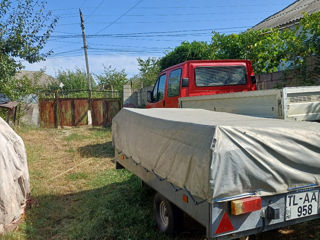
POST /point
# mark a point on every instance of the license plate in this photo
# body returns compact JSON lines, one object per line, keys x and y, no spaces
{"x":302,"y":204}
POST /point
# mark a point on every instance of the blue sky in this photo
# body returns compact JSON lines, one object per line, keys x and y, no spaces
{"x":120,"y":31}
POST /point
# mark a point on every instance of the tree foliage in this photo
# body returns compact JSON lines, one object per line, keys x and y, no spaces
{"x":112,"y":79}
{"x":267,"y":49}
{"x":71,"y":80}
{"x":149,"y":70}
{"x":25,"y":27}
{"x":186,"y":51}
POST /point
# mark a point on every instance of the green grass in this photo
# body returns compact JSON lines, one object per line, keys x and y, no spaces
{"x":74,"y":137}
{"x":77,"y":176}
{"x":117,"y":209}
{"x":76,"y":192}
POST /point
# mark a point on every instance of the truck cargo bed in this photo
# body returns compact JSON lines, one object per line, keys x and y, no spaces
{"x":295,"y":103}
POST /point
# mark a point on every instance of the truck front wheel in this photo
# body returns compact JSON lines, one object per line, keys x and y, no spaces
{"x":169,"y":218}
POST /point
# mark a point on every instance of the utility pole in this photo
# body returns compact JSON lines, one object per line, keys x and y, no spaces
{"x":85,"y":47}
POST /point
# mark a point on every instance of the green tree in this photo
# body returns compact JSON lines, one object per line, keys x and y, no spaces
{"x":112,"y":79}
{"x":265,"y":48}
{"x":186,"y":51}
{"x":25,"y":27}
{"x":149,"y":70}
{"x":71,"y":80}
{"x":268,"y":48}
{"x":309,"y":33}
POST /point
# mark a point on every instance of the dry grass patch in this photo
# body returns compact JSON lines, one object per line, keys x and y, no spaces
{"x":54,"y":155}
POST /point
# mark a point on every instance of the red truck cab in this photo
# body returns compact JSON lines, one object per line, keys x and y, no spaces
{"x":200,"y":77}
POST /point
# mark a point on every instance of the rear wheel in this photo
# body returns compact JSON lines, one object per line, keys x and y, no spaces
{"x":169,"y":218}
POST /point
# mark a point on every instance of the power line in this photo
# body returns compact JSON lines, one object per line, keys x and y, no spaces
{"x":161,"y":22}
{"x":83,"y":3}
{"x":70,"y":51}
{"x":122,"y":46}
{"x":117,"y":19}
{"x":65,"y":16}
{"x":192,"y":14}
{"x":209,"y":7}
{"x":149,"y":34}
{"x":62,"y":9}
{"x":98,"y":6}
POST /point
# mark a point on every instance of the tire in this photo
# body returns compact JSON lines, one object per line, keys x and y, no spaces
{"x":169,"y":218}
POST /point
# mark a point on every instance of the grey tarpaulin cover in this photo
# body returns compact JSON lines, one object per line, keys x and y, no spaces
{"x":14,"y":177}
{"x":216,"y":155}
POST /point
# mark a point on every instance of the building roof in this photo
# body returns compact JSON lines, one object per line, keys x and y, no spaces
{"x":38,"y":77}
{"x":3,"y":98}
{"x":290,"y":15}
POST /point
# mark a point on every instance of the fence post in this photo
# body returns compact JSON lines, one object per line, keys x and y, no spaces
{"x":56,"y":108}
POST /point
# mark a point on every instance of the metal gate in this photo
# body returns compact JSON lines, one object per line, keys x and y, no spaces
{"x":73,"y":111}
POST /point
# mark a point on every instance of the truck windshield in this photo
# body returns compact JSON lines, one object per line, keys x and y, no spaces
{"x":220,"y":76}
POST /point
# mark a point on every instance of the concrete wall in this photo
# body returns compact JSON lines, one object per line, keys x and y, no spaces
{"x":127,"y":92}
{"x":287,"y":78}
{"x":142,"y":95}
{"x":136,"y":98}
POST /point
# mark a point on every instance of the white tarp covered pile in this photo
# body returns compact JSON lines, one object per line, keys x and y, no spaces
{"x":216,"y":155}
{"x":14,"y":177}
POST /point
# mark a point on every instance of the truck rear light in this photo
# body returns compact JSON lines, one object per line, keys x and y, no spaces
{"x":225,"y":225}
{"x":245,"y":205}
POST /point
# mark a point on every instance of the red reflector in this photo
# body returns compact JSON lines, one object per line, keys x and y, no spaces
{"x":185,"y":198}
{"x":225,"y":225}
{"x":252,"y":204}
{"x":245,"y":205}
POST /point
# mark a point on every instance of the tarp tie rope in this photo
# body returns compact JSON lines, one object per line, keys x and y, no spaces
{"x":136,"y":163}
{"x":157,"y":176}
{"x":175,"y":188}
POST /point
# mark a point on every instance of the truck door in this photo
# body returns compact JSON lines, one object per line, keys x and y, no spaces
{"x":158,"y":93}
{"x":173,"y":88}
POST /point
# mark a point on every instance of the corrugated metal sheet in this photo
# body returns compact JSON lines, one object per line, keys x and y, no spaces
{"x":80,"y":112}
{"x":47,"y":115}
{"x":289,"y":15}
{"x":65,"y":110}
{"x":98,"y":110}
{"x":113,"y":107}
{"x":73,"y":112}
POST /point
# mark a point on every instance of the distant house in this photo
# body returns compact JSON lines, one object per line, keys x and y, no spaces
{"x":289,"y":16}
{"x":38,"y":77}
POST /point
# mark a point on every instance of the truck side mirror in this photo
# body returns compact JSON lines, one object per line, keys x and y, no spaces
{"x":149,"y":96}
{"x":185,"y":82}
{"x":253,"y":80}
